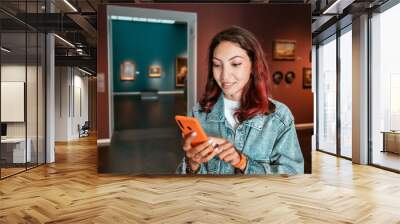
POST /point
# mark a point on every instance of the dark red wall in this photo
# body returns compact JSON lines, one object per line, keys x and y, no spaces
{"x":102,"y":69}
{"x":268,"y":22}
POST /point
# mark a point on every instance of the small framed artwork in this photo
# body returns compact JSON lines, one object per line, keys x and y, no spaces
{"x":284,"y":50}
{"x":127,"y":70}
{"x":307,"y":78}
{"x":154,"y":71}
{"x":181,"y":71}
{"x":277,"y":77}
{"x":289,"y":77}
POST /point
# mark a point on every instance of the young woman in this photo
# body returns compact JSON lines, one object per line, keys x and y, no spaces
{"x":248,"y":132}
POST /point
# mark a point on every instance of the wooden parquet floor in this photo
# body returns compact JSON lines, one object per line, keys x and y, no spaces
{"x":71,"y":191}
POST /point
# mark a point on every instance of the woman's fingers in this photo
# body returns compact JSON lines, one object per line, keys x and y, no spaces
{"x":210,"y":148}
{"x":198,"y":148}
{"x":211,"y":155}
{"x":232,"y":157}
{"x":219,"y":141}
{"x":226,"y":154}
{"x":225,"y":150}
{"x":187,"y":144}
{"x":207,"y":153}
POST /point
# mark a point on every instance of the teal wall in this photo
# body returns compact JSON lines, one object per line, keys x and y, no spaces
{"x":147,"y":44}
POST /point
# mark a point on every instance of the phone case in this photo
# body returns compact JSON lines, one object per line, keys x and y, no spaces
{"x":190,"y":124}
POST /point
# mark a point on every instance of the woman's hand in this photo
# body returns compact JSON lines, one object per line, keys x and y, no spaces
{"x":227,"y":151}
{"x":200,"y":153}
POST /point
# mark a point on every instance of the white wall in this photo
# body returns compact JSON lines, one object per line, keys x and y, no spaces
{"x":71,"y":93}
{"x":80,"y":84}
{"x":62,"y":80}
{"x":33,"y":127}
{"x":13,"y":73}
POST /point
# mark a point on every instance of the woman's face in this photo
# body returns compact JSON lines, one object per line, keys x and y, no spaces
{"x":231,"y":69}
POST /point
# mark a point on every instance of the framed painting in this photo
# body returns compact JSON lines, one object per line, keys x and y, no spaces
{"x":154,"y":71}
{"x":284,"y":50}
{"x":307,"y":78}
{"x":289,"y":77}
{"x":277,"y":77}
{"x":127,"y":70}
{"x":181,"y":71}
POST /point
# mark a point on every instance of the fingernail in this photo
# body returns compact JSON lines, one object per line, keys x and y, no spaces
{"x":210,"y":141}
{"x":194,"y":133}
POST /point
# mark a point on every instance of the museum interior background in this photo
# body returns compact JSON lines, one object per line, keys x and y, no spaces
{"x":144,"y":107}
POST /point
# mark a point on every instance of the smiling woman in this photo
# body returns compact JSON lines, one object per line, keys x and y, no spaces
{"x":248,"y":131}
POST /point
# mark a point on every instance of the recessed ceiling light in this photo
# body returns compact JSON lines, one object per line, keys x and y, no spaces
{"x":84,"y":71}
{"x":5,"y":50}
{"x":337,"y":7}
{"x":65,"y":41}
{"x":70,"y":5}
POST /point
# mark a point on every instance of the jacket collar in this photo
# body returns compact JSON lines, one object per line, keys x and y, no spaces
{"x":256,"y":122}
{"x":217,"y":115}
{"x":217,"y":112}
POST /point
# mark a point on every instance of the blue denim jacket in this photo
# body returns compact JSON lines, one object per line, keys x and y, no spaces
{"x":268,"y":141}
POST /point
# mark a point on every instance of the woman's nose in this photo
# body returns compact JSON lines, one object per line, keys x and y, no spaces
{"x":225,"y":73}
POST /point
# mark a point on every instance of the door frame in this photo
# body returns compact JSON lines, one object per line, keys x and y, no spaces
{"x":186,"y":17}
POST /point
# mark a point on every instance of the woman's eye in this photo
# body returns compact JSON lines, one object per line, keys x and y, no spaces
{"x":216,"y":65}
{"x":236,"y":64}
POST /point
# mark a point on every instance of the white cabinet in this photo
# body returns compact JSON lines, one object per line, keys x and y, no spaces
{"x":18,"y":149}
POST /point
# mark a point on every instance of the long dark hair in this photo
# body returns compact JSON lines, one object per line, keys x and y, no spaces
{"x":256,"y":92}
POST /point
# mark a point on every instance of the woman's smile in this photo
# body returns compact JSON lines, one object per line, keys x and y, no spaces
{"x":227,"y":85}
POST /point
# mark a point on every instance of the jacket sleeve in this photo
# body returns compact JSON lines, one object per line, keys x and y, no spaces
{"x":286,"y":156}
{"x":182,"y":168}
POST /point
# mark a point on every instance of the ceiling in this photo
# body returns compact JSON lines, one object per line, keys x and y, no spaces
{"x":77,"y":22}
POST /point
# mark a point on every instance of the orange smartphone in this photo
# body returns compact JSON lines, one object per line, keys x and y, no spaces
{"x":190,"y":124}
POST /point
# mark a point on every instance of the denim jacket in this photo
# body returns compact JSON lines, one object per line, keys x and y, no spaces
{"x":268,"y":141}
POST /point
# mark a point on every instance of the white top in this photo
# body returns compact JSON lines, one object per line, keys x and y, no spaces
{"x":230,"y":107}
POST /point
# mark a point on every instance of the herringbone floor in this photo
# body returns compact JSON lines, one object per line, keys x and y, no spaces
{"x":71,"y":191}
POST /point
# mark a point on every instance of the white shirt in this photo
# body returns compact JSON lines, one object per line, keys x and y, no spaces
{"x":230,"y":107}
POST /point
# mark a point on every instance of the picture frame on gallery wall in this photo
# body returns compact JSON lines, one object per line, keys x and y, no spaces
{"x":284,"y":50}
{"x":181,"y":71}
{"x":127,"y":70}
{"x":277,"y":77}
{"x":307,"y":78}
{"x":289,"y":77}
{"x":154,"y":71}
